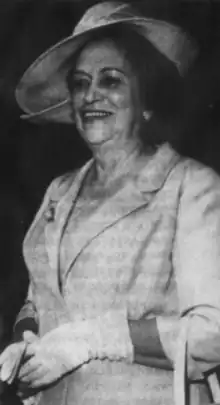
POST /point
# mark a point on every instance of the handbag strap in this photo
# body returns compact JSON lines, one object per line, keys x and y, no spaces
{"x":181,"y":394}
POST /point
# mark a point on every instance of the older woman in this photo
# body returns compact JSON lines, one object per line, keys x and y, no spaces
{"x":121,"y":249}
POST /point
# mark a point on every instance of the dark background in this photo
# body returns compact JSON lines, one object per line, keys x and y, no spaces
{"x":31,"y":155}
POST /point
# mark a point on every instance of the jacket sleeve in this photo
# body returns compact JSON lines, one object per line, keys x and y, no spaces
{"x":196,"y":259}
{"x":27,"y":318}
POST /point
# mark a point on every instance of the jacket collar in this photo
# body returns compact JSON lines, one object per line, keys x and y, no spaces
{"x":154,"y":174}
{"x":151,"y":178}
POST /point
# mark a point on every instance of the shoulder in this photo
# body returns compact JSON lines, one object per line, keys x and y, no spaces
{"x":199,"y":178}
{"x":60,"y":185}
{"x":199,"y":197}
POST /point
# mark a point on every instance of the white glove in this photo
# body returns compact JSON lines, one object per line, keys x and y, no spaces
{"x":12,"y":357}
{"x":10,"y":361}
{"x":70,"y":345}
{"x":51,"y":357}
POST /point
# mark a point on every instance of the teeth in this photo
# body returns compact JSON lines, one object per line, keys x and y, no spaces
{"x":96,"y":114}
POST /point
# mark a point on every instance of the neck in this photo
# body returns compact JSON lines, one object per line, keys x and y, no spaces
{"x":113,"y":162}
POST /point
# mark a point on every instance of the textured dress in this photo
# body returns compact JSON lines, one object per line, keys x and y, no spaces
{"x":152,"y":249}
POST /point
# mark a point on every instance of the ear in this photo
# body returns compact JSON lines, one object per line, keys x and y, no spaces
{"x":147,"y":115}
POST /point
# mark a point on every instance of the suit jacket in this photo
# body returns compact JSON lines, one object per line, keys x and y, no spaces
{"x":157,"y":242}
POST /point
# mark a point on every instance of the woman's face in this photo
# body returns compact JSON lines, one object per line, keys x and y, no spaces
{"x":105,"y":95}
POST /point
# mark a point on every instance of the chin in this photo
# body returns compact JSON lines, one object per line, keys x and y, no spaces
{"x":94,"y":137}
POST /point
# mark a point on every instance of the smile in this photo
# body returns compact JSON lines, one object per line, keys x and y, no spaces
{"x":95,"y":114}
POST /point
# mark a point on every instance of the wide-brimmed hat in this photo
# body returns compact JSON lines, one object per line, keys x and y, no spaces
{"x":42,"y":92}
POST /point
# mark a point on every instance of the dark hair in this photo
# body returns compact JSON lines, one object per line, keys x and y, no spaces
{"x":160,"y":84}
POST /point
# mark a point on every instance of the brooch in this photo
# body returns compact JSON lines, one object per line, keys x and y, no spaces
{"x":50,"y":211}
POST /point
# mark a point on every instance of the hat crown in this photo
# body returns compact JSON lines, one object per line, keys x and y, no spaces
{"x":103,"y":13}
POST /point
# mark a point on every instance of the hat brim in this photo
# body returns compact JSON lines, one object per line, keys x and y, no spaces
{"x":42,"y":92}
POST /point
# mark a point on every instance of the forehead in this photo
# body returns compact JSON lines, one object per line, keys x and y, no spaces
{"x":100,"y":54}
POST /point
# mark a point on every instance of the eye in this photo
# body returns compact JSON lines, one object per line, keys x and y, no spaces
{"x":79,"y":84}
{"x":110,"y":81}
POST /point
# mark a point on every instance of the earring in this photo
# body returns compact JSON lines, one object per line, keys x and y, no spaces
{"x":147,"y":115}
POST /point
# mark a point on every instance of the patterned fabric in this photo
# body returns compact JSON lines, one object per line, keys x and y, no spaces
{"x":154,"y":246}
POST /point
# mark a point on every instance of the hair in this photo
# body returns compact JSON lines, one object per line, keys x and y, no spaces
{"x":160,"y":84}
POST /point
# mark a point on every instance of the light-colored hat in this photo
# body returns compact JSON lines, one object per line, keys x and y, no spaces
{"x":42,"y":91}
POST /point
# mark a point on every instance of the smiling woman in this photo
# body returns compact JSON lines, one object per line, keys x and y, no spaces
{"x":155,"y":83}
{"x":104,"y":97}
{"x":123,"y":248}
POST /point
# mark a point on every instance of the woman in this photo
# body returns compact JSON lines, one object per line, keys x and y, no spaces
{"x":121,"y":249}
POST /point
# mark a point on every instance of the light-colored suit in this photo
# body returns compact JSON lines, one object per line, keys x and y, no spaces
{"x":157,"y":243}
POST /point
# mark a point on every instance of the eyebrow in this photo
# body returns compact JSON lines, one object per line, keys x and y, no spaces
{"x":103,"y":70}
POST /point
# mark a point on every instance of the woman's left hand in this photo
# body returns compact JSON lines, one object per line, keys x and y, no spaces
{"x":52,"y":356}
{"x":44,"y":367}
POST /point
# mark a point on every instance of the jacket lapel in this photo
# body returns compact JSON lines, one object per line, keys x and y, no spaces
{"x":63,"y":206}
{"x":131,"y":197}
{"x":107,"y":215}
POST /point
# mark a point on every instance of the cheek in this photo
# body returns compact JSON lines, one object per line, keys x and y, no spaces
{"x":77,"y":100}
{"x":121,"y":100}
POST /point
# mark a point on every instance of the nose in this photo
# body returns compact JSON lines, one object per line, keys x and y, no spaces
{"x":92,"y":93}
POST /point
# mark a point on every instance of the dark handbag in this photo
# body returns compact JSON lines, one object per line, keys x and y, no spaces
{"x":9,"y":396}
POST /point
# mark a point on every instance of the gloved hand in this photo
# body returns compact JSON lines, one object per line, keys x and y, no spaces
{"x":70,"y":345}
{"x":10,"y":360}
{"x":52,"y":356}
{"x":12,"y":357}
